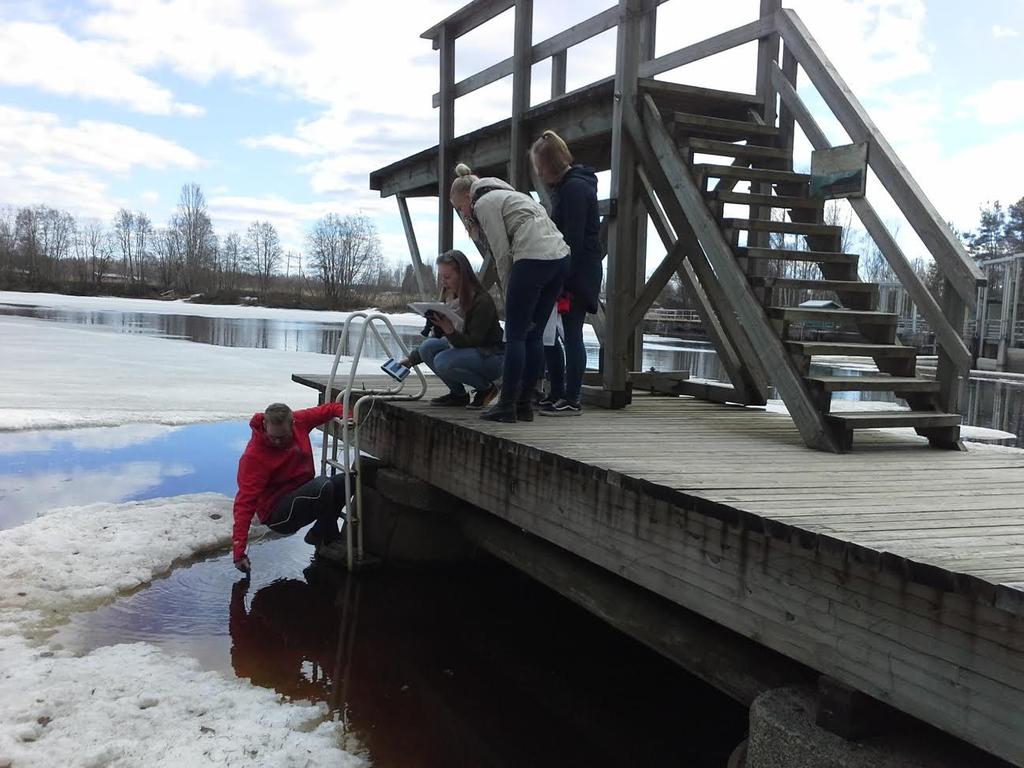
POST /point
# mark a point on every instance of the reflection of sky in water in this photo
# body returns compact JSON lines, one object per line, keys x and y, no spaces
{"x":40,"y":471}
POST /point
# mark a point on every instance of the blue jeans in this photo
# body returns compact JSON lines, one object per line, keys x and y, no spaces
{"x":458,"y":366}
{"x":533,"y":288}
{"x":565,"y":369}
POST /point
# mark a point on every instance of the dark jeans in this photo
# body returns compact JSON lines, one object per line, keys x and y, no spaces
{"x":319,"y":500}
{"x":566,"y":367}
{"x":533,"y":288}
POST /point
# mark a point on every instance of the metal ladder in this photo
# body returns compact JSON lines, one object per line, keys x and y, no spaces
{"x":343,"y":433}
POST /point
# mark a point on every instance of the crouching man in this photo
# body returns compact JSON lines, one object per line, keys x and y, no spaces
{"x":276,"y":482}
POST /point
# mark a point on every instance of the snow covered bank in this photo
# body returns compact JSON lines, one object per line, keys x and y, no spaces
{"x":130,"y":705}
{"x":152,"y":306}
{"x":67,"y":376}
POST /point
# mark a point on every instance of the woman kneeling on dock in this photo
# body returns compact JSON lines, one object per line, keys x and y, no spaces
{"x":533,"y":262}
{"x":472,"y":356}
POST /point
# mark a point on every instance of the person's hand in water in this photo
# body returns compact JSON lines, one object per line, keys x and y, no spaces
{"x":244,"y":565}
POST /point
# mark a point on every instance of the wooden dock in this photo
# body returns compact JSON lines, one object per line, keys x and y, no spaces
{"x":896,"y":570}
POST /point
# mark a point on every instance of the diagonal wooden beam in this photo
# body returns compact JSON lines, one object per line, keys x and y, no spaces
{"x":749,"y":369}
{"x":418,"y":267}
{"x":726,"y":352}
{"x":737,"y":292}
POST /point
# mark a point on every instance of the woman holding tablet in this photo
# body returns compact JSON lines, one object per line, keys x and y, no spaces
{"x":473,"y":356}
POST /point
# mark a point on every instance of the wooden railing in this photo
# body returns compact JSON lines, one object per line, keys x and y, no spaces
{"x":775,"y":84}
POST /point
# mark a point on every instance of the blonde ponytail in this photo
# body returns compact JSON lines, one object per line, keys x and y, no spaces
{"x":464,"y":179}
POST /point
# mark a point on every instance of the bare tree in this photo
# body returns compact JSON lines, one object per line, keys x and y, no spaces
{"x":232,"y":260}
{"x":93,"y":249}
{"x":263,"y":249}
{"x":142,"y":234}
{"x":8,"y":239}
{"x":193,"y":241}
{"x":345,"y":251}
{"x":124,"y":236}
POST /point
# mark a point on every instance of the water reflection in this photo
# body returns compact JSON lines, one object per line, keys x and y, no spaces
{"x":44,"y":470}
{"x":467,"y":666}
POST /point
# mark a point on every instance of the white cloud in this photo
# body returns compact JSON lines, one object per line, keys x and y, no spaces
{"x":1001,"y":103}
{"x":44,"y":160}
{"x":999,"y":32}
{"x":45,"y":57}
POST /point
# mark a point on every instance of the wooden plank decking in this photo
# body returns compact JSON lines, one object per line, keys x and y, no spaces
{"x":898,"y":569}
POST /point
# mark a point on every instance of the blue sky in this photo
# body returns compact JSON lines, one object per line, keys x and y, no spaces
{"x":280,"y":108}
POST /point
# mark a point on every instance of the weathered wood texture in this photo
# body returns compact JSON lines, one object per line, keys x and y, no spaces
{"x":897,"y":571}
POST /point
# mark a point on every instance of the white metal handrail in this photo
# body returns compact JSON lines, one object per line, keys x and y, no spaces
{"x":351,"y":461}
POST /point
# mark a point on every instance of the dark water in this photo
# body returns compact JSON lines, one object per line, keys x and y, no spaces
{"x":473,"y":665}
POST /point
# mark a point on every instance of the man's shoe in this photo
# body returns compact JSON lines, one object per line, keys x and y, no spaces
{"x":563,"y":408}
{"x":335,"y":551}
{"x":500,"y":411}
{"x":546,"y":402}
{"x":524,"y":411}
{"x":483,"y":397}
{"x":452,"y":400}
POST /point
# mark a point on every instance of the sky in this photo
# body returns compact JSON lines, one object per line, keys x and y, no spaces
{"x":279,"y":109}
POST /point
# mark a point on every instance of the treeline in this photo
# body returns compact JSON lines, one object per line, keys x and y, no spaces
{"x":43,"y":248}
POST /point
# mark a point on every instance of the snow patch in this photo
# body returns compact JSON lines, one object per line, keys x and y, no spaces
{"x":134,"y":704}
{"x":59,"y":376}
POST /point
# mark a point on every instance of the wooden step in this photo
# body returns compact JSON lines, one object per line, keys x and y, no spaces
{"x":797,"y":314}
{"x":766,"y":201}
{"x":883,"y":419}
{"x":850,"y":349}
{"x":728,"y":149}
{"x":750,"y":174}
{"x":874,"y":383}
{"x":836,"y":286}
{"x":788,"y":254}
{"x":785,"y":227}
{"x":704,"y":126}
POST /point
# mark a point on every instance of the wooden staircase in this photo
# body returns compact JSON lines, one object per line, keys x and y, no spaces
{"x":723,"y":154}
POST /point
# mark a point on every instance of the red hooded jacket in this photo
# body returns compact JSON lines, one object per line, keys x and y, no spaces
{"x":266,"y":472}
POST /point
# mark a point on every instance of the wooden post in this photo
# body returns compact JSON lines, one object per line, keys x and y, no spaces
{"x":418,"y":267}
{"x":786,"y":118}
{"x":558,"y":65}
{"x":947,"y":372}
{"x":445,"y":163}
{"x":767,"y":55}
{"x":522,"y":64}
{"x":621,"y":280}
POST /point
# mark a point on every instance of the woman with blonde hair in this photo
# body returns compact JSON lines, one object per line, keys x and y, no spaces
{"x":574,"y":212}
{"x":532,"y":261}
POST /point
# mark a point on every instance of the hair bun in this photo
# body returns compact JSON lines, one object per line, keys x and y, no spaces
{"x":463,"y":170}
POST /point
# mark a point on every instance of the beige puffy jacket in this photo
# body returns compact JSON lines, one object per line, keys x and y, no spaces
{"x":515,"y":226}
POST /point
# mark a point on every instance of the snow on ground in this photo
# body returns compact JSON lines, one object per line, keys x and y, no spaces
{"x":69,"y":376}
{"x":130,"y":705}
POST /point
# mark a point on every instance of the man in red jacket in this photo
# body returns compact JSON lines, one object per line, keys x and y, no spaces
{"x":276,"y":482}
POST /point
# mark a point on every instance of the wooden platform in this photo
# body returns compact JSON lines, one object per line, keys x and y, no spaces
{"x":897,"y":569}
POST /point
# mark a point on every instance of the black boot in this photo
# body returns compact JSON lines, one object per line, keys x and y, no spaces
{"x":503,"y":411}
{"x":524,"y":410}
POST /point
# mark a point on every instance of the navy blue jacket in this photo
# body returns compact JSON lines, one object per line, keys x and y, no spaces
{"x":574,"y":211}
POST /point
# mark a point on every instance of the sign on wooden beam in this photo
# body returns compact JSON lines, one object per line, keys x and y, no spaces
{"x":839,"y":171}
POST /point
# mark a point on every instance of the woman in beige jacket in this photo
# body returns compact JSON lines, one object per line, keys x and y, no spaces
{"x":533,"y":262}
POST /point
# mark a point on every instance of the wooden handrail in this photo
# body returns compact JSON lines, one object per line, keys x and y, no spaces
{"x":554,"y":45}
{"x":748,"y":33}
{"x":466,"y":19}
{"x":945,"y":333}
{"x":961,"y":272}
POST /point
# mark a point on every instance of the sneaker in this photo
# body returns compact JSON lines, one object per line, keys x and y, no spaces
{"x":501,"y":411}
{"x":546,"y":402}
{"x":452,"y":400}
{"x":335,"y":551}
{"x":483,"y":397}
{"x":563,"y":408}
{"x":524,"y":411}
